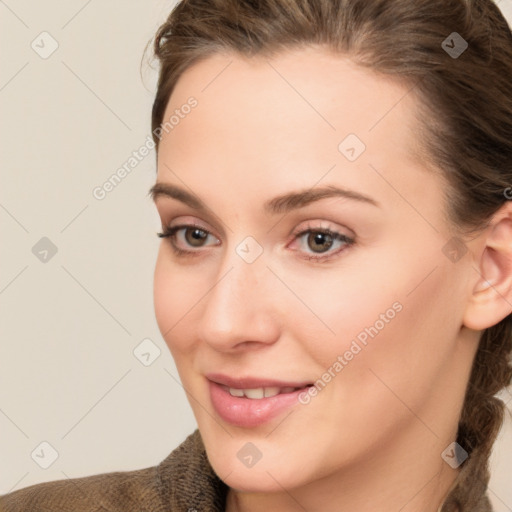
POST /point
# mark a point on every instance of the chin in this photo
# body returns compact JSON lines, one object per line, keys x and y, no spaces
{"x":258,"y":479}
{"x":267,"y":472}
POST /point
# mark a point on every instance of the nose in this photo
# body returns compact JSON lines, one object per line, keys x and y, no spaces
{"x":240,"y":311}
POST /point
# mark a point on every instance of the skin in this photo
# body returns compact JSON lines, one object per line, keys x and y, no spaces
{"x":372,"y":438}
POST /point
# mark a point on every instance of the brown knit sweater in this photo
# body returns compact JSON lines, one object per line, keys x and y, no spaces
{"x":182,"y":482}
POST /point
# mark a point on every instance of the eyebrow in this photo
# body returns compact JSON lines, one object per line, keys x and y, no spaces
{"x":280,"y":204}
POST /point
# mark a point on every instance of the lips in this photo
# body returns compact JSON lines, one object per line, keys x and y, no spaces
{"x":249,"y":402}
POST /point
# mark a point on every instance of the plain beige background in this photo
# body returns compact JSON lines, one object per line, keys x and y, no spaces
{"x":76,"y":396}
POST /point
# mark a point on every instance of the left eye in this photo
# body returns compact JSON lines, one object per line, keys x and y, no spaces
{"x":319,"y":240}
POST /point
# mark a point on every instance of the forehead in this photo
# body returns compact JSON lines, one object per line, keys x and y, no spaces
{"x":273,"y":105}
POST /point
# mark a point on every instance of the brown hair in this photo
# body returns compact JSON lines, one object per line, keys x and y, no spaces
{"x":465,"y":123}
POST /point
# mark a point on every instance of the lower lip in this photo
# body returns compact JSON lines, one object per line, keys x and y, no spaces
{"x":248,"y":412}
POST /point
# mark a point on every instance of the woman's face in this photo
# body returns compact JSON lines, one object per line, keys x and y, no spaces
{"x":265,"y":301}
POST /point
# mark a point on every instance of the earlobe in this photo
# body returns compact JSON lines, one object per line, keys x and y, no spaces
{"x":491,"y":298}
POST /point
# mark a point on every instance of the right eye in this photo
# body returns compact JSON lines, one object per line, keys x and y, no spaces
{"x":192,"y":234}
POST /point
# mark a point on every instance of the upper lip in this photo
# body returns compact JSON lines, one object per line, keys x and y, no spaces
{"x":253,"y":382}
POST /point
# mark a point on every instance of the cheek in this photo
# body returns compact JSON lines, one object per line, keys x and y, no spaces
{"x":169,"y":295}
{"x":179,"y":294}
{"x":395,"y":326}
{"x":385,"y":289}
{"x":359,"y":302}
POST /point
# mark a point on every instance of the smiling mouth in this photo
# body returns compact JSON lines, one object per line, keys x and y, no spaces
{"x":245,"y":404}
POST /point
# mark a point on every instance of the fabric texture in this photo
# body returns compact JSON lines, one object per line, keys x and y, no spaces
{"x":183,"y":482}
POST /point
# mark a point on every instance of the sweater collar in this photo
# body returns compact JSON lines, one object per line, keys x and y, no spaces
{"x":187,"y":481}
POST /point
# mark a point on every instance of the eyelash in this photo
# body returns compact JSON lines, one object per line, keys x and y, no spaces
{"x":170,"y":233}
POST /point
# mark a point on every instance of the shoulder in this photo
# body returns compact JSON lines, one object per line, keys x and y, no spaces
{"x":118,"y":491}
{"x":184,"y":480}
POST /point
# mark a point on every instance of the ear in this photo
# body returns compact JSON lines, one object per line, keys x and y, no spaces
{"x":491,"y":299}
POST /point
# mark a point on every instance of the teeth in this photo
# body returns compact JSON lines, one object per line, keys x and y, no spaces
{"x":258,"y":393}
{"x":271,"y":391}
{"x":254,"y":393}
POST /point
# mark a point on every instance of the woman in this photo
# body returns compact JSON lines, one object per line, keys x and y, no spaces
{"x":335,"y":276}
